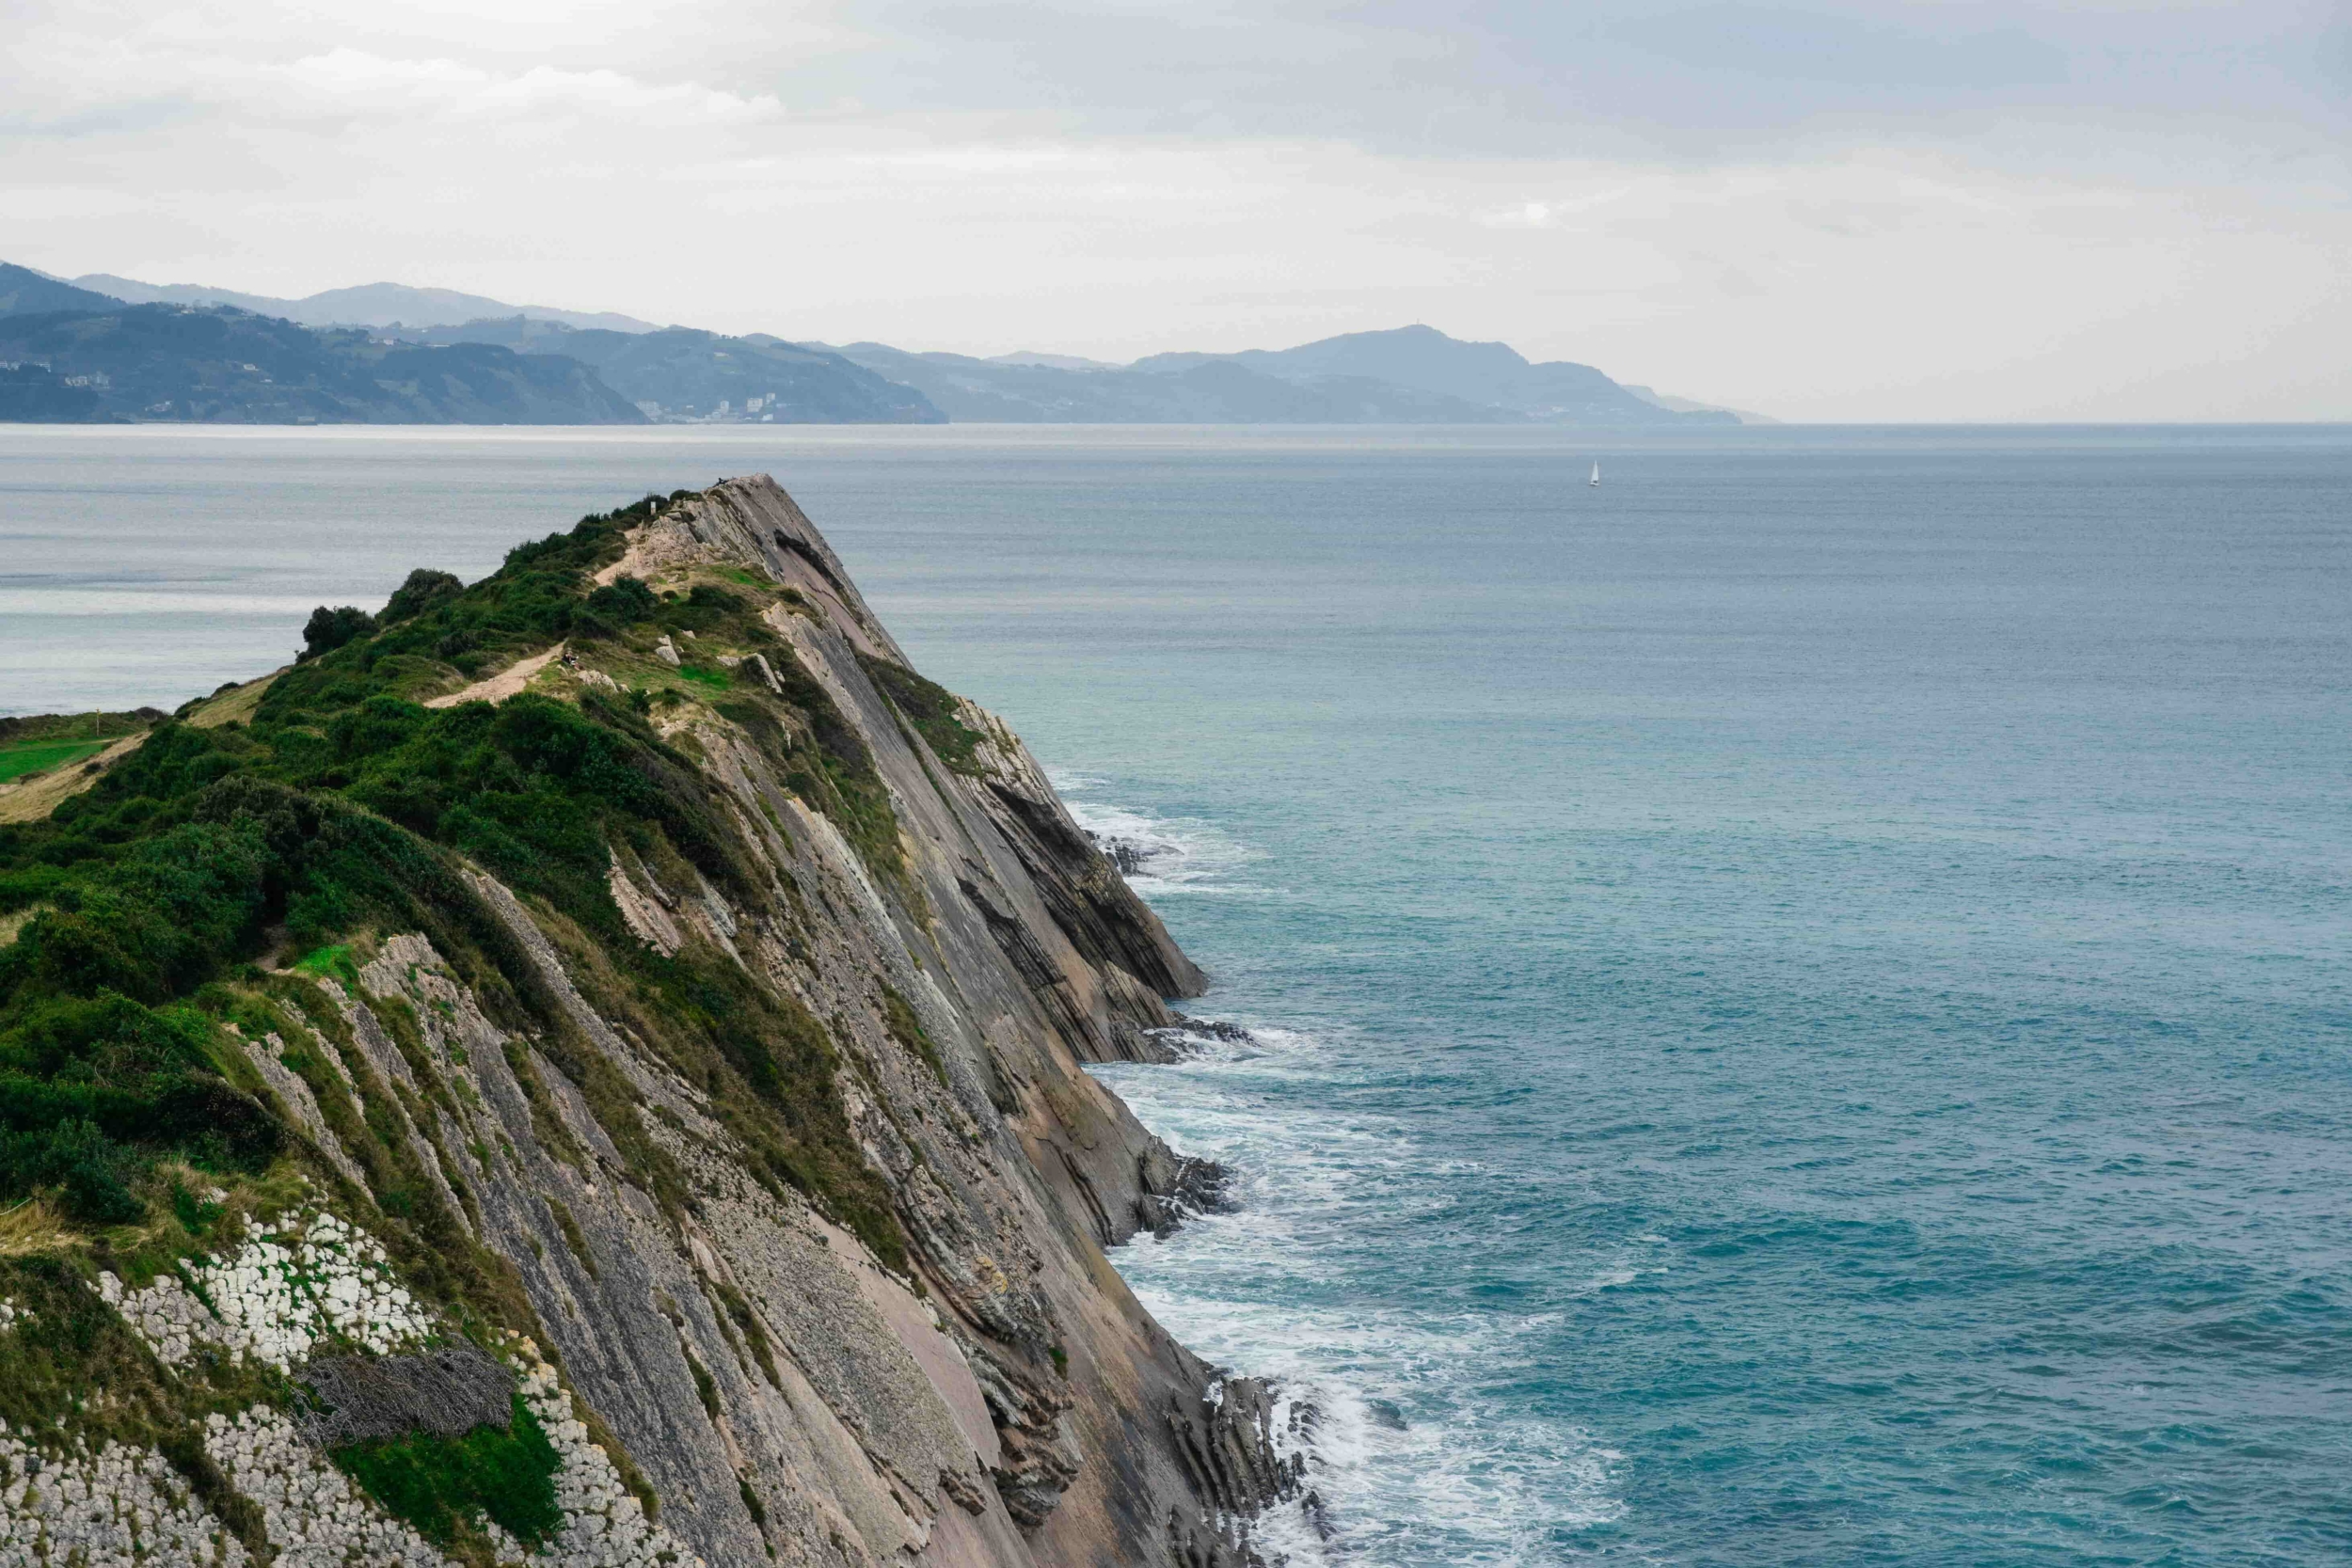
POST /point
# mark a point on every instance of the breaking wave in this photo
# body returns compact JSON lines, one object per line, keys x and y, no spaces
{"x":1159,"y":855}
{"x":1407,"y":1462}
{"x":1410,"y":1459}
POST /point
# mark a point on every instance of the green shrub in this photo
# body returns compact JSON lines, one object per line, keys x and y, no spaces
{"x":423,"y":591}
{"x":82,"y":1163}
{"x":330,"y":629}
{"x":624,"y":601}
{"x":704,"y":1389}
{"x":908,"y":1030}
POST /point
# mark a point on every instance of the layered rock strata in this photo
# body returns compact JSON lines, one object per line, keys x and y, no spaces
{"x":723,"y":1370}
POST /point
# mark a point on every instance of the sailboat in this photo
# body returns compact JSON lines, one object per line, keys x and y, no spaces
{"x":1595,"y":482}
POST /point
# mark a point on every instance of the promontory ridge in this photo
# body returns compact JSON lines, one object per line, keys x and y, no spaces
{"x":587,"y":1067}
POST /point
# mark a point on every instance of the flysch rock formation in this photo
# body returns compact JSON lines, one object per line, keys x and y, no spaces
{"x":728,"y":1375}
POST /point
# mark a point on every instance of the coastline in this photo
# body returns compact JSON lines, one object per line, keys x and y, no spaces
{"x":1841,"y":923}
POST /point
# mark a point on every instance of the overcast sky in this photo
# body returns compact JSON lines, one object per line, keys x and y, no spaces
{"x":1824,"y":211}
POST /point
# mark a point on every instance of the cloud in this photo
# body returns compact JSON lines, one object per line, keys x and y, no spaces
{"x":354,"y":81}
{"x":1527,"y":215}
{"x":1866,"y":59}
{"x":1621,"y":78}
{"x":346,"y":84}
{"x":1552,"y":212}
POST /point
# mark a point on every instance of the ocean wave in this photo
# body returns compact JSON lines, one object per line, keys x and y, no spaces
{"x":1407,"y":1463}
{"x":1409,"y":1458}
{"x":1159,"y":855}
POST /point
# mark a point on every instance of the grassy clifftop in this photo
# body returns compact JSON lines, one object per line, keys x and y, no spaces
{"x":170,"y":901}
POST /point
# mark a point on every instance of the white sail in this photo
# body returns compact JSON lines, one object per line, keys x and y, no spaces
{"x":1595,"y":473}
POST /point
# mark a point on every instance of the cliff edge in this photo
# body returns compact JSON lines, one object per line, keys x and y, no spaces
{"x":585,"y":1067}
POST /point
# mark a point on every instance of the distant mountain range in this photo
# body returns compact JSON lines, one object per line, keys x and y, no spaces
{"x":71,"y":355}
{"x":24,"y":292}
{"x":680,"y":372}
{"x":368,"y":305}
{"x":170,"y":362}
{"x":1215,"y":391}
{"x":385,"y":352}
{"x":1407,"y":376}
{"x":1688,"y":405}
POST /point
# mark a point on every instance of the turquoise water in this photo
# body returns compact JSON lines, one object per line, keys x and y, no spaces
{"x":1801,"y":993}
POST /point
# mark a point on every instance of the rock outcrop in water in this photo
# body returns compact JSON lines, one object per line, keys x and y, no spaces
{"x":636,"y":1120}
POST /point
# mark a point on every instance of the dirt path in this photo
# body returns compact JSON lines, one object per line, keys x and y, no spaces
{"x":505,"y":684}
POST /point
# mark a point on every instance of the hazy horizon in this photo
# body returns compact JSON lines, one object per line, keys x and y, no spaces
{"x":1822,"y":213}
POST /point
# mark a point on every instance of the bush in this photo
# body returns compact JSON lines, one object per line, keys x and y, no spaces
{"x":83,"y":1163}
{"x":330,"y":629}
{"x":423,"y":591}
{"x":625,"y":599}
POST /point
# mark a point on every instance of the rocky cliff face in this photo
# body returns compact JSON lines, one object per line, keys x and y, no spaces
{"x":746,"y":1202}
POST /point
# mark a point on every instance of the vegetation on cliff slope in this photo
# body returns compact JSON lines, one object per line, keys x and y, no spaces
{"x":439,"y":1484}
{"x":173,"y":899}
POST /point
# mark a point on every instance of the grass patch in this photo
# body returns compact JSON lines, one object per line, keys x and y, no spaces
{"x":931,"y":708}
{"x":32,"y":1224}
{"x":572,"y":1235}
{"x":39,"y":757}
{"x":748,"y":1322}
{"x":705,"y":1389}
{"x":332,"y":961}
{"x":446,"y":1485}
{"x":702,"y":675}
{"x":74,"y":726}
{"x":907,"y":1031}
{"x":196,"y":1215}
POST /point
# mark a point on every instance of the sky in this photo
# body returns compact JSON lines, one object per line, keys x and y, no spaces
{"x":1828,"y":211}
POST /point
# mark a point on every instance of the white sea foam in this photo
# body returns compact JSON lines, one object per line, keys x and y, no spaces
{"x":1407,"y":1461}
{"x":1173,"y":854}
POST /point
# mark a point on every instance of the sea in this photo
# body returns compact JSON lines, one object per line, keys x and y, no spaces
{"x":1798,"y":997}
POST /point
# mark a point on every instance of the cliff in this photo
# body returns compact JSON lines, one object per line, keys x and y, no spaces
{"x":588,"y":1069}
